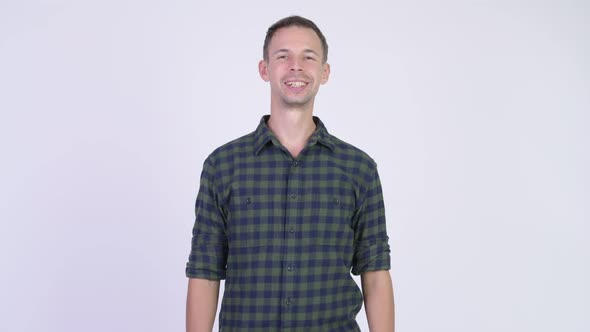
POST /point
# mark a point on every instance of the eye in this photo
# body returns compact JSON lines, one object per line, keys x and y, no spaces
{"x":281,"y":57}
{"x":309,"y":58}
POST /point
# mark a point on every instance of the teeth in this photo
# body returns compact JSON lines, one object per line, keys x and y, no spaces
{"x":296,"y":84}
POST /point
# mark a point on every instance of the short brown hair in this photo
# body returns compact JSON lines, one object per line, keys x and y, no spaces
{"x":297,"y":21}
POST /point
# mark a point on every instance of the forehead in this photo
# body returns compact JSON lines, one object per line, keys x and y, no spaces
{"x":295,"y":38}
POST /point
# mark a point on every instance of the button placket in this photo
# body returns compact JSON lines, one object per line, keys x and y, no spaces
{"x":294,"y":192}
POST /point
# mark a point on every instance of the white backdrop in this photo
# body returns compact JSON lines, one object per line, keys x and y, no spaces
{"x":477,"y":113}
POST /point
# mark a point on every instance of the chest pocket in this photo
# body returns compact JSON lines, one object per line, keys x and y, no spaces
{"x":254,"y":218}
{"x":328,"y":213}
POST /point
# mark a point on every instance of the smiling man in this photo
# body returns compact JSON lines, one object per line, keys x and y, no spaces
{"x":288,"y":212}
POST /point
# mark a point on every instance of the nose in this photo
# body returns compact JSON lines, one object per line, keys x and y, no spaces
{"x":295,"y":64}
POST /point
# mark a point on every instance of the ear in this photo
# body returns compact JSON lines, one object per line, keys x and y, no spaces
{"x":325,"y":73}
{"x":263,"y":70}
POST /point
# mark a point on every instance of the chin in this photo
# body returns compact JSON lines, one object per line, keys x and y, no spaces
{"x":296,"y":104}
{"x":297,"y":101}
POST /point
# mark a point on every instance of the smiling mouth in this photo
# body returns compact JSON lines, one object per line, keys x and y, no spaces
{"x":296,"y":84}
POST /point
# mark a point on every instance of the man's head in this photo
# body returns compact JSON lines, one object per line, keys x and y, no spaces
{"x":295,"y":21}
{"x":294,"y":63}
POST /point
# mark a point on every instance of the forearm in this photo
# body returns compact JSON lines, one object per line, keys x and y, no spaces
{"x":201,"y":304}
{"x":379,"y":306}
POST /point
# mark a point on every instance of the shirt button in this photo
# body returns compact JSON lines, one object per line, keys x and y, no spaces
{"x":290,"y":268}
{"x":295,"y":163}
{"x":291,"y":229}
{"x":288,"y":301}
{"x":293,"y":195}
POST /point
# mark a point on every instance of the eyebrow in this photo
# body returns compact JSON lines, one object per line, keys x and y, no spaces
{"x":307,"y":50}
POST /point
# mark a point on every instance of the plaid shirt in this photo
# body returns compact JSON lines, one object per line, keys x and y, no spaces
{"x":285,"y":233}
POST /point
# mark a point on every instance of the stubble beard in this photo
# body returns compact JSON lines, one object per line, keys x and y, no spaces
{"x":301,"y":102}
{"x":297,"y":101}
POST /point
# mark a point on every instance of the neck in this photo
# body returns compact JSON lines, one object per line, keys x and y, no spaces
{"x":293,"y":128}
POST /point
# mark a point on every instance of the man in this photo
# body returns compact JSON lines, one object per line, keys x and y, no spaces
{"x":286,"y":213}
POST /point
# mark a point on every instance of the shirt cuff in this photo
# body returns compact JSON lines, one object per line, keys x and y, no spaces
{"x":372,"y":257}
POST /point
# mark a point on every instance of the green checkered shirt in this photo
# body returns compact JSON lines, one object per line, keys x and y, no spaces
{"x":285,"y":233}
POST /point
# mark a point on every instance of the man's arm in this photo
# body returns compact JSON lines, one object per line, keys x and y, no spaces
{"x":201,"y":304}
{"x":378,"y":293}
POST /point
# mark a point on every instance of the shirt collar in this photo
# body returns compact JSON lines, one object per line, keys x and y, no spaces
{"x":263,"y":135}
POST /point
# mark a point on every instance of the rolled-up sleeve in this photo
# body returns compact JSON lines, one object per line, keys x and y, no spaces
{"x":208,"y":256}
{"x":371,"y":250}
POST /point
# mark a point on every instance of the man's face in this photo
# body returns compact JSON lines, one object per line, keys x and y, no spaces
{"x":294,"y":69}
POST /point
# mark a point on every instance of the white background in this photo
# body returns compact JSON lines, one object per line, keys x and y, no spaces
{"x":477,"y":113}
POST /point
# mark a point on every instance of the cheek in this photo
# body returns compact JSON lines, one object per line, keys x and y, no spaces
{"x":278,"y":71}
